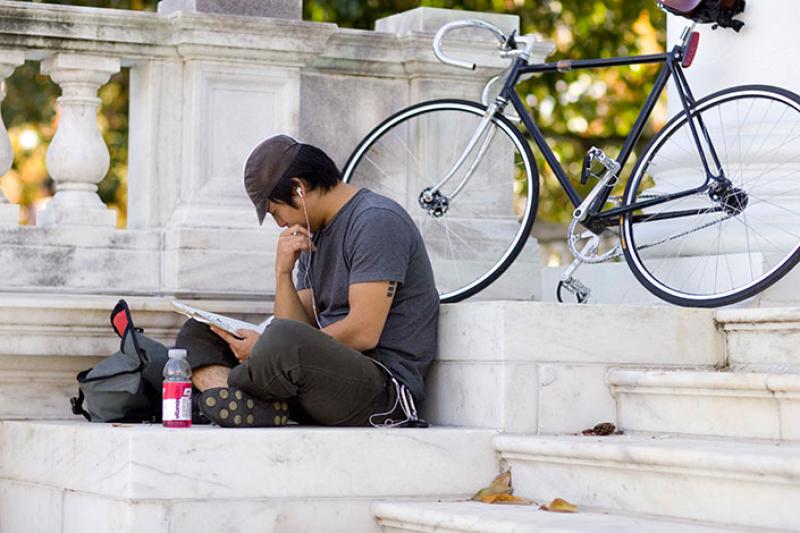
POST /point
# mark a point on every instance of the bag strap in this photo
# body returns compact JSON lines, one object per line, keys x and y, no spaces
{"x":76,"y":403}
{"x":121,"y":319}
{"x":122,"y":322}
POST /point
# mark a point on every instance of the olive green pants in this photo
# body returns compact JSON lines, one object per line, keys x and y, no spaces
{"x":324,"y":381}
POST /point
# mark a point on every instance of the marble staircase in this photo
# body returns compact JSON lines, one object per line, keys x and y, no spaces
{"x":709,"y":446}
{"x":707,"y":401}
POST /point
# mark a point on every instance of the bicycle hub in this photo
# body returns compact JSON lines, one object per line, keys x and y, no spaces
{"x":435,"y":203}
{"x":732,"y":199}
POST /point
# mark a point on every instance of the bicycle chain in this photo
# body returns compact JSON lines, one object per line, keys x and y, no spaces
{"x":617,"y":250}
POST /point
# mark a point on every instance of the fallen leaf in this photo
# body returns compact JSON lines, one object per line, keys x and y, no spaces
{"x":559,"y":506}
{"x":506,"y":499}
{"x":603,"y":429}
{"x":500,"y":485}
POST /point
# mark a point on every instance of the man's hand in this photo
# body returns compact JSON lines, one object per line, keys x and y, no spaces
{"x":241,"y":348}
{"x":291,"y":242}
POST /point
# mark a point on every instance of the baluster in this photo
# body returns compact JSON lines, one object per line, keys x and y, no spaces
{"x":78,"y":158}
{"x":9,"y":61}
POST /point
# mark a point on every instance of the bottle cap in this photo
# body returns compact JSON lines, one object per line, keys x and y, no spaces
{"x":177,"y":352}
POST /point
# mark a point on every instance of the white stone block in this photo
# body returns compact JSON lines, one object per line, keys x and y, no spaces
{"x":88,"y":259}
{"x":219,"y":261}
{"x":228,"y":110}
{"x":153,"y":463}
{"x":29,"y":508}
{"x":154,"y":147}
{"x":9,"y":213}
{"x":762,"y":339}
{"x":573,"y":398}
{"x":522,"y":402}
{"x":543,"y":332}
{"x":466,"y":395}
{"x":87,"y":513}
{"x":325,"y":95}
{"x":727,"y":483}
{"x":725,"y":404}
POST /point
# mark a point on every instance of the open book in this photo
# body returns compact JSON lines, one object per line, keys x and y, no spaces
{"x":225,"y":323}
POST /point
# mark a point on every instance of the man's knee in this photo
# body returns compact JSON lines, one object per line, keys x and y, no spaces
{"x":274,"y":357}
{"x":280,"y":339}
{"x":203,"y":346}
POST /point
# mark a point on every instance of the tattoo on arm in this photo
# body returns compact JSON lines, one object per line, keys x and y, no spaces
{"x":392,"y":288}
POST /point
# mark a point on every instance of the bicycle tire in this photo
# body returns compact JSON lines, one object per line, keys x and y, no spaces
{"x":738,"y":271}
{"x":361,"y":167}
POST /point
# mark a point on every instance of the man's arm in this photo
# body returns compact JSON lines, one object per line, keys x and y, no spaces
{"x":289,"y":302}
{"x":369,"y":307}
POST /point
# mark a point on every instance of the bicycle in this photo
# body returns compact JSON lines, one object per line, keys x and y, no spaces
{"x":708,"y":216}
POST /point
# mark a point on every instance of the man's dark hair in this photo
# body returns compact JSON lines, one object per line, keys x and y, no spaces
{"x":314,"y":167}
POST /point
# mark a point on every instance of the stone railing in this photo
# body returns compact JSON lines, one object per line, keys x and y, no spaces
{"x":205,"y":88}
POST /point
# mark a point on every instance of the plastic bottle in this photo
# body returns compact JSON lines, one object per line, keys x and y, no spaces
{"x":177,"y":391}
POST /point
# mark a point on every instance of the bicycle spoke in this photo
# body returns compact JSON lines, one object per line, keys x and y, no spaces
{"x":700,"y":258}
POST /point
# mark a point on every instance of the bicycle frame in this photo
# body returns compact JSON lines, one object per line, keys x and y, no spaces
{"x":671,"y":69}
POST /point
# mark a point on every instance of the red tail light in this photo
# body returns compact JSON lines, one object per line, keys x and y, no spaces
{"x":690,"y":50}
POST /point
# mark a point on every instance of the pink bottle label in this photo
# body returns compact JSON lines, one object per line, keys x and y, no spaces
{"x":176,"y":410}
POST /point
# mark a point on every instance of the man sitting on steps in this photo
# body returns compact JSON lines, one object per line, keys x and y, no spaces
{"x":353,"y":335}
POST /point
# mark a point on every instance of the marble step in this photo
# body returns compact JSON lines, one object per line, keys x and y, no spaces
{"x":76,"y":476}
{"x":737,"y":483}
{"x":724,"y":404}
{"x":519,"y":366}
{"x":764,"y":340}
{"x":475,"y":517}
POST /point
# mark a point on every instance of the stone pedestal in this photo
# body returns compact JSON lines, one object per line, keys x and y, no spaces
{"x":284,"y":9}
{"x":9,"y":60}
{"x":78,"y":158}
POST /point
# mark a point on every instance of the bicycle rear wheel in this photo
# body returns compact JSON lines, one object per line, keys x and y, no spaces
{"x":476,"y":233}
{"x":708,"y":250}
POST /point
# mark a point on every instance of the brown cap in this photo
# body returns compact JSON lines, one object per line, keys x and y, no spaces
{"x":265,"y":166}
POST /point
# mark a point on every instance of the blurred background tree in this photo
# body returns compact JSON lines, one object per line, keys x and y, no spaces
{"x":577,"y":110}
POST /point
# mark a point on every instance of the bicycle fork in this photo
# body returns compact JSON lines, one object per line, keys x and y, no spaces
{"x":485,"y":124}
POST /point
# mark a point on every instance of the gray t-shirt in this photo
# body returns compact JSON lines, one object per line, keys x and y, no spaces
{"x":372,"y":238}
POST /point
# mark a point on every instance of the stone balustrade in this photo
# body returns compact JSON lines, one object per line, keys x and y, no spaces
{"x":205,"y":87}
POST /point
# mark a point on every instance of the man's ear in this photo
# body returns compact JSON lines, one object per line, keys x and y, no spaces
{"x":298,"y":187}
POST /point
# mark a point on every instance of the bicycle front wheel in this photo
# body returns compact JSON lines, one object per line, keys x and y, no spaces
{"x":708,"y":249}
{"x":472,"y":234}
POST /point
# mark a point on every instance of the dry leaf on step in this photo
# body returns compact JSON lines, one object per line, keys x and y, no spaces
{"x":603,"y":429}
{"x":506,"y":499}
{"x":500,"y":485}
{"x":560,"y":506}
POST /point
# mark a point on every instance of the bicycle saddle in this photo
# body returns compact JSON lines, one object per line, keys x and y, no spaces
{"x":682,"y":7}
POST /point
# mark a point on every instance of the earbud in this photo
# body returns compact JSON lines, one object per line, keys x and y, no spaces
{"x":299,"y":191}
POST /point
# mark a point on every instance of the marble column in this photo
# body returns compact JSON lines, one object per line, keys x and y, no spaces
{"x":78,"y":158}
{"x":9,"y":61}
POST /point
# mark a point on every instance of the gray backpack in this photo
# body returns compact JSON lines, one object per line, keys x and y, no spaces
{"x":126,"y":385}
